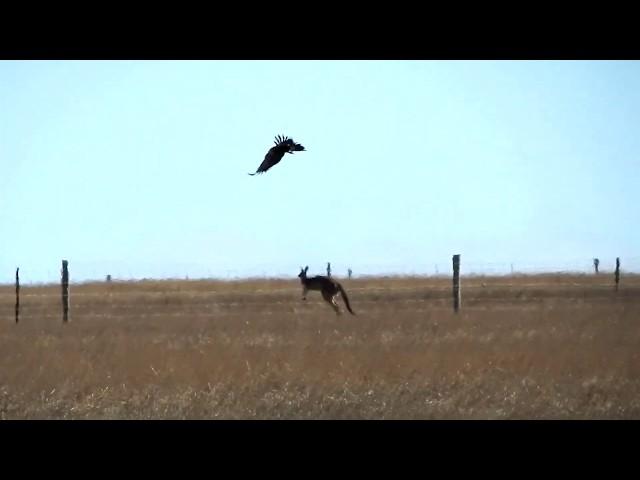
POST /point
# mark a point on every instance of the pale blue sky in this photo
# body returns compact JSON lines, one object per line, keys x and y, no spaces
{"x":139,"y":168}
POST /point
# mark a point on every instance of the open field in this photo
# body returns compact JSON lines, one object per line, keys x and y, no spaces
{"x":544,"y":346}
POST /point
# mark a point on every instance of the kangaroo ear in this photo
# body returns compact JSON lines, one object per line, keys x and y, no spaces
{"x":306,"y":268}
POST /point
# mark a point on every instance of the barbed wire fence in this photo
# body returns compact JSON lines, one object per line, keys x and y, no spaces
{"x":458,"y":269}
{"x":86,"y":273}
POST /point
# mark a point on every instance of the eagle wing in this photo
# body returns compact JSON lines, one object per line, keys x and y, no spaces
{"x":273,"y":156}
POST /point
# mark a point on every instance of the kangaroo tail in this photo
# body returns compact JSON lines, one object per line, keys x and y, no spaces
{"x":346,"y":299}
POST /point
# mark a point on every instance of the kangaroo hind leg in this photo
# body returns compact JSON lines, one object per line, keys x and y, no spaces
{"x":331,"y":300}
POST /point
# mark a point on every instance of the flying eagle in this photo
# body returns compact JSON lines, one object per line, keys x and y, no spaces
{"x":275,"y":154}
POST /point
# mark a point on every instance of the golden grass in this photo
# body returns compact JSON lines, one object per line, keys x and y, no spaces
{"x":542,"y":346}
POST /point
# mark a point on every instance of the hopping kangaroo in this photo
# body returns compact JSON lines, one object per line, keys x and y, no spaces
{"x":329,"y":287}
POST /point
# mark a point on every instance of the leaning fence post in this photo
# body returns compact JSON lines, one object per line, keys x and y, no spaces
{"x":65,"y":291}
{"x":596,"y":264}
{"x":456,"y":283}
{"x":17,"y":295}
{"x":617,"y":272}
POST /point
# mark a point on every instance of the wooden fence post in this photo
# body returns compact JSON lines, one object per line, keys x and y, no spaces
{"x":596,"y":264}
{"x":65,"y":291}
{"x":350,"y":273}
{"x":456,"y":283}
{"x":328,"y":269}
{"x":17,"y":295}
{"x":617,"y":272}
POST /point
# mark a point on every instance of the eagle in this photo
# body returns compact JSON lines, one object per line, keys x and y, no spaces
{"x":275,"y":154}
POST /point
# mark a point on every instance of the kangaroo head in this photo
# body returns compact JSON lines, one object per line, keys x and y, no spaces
{"x":303,"y":272}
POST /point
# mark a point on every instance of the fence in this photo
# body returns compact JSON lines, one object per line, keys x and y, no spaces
{"x":456,"y":285}
{"x":472,"y":265}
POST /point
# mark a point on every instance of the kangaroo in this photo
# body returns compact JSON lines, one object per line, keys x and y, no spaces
{"x":329,"y":287}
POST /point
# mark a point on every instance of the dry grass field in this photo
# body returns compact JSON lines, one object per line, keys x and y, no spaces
{"x":523,"y":347}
